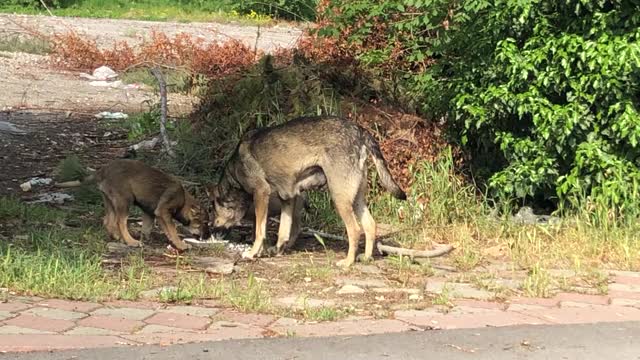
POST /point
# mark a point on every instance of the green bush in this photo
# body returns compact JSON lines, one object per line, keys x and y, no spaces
{"x":546,"y":92}
{"x":33,"y":3}
{"x":264,"y":96}
{"x":299,"y":10}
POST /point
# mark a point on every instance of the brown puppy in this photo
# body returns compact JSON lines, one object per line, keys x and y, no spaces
{"x":159,"y":195}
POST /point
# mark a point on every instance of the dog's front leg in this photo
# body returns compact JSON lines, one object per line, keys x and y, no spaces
{"x":261,"y":203}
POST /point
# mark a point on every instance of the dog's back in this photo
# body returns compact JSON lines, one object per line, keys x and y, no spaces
{"x":296,"y":155}
{"x":138,"y":182}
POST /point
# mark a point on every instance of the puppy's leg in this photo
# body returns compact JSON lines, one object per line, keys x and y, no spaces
{"x":165,"y":220}
{"x":261,"y":203}
{"x":366,"y":221}
{"x":122,"y":214}
{"x":110,"y":221}
{"x":286,"y":221}
{"x":147,"y":225}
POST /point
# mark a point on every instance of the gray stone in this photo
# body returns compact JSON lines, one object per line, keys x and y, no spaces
{"x":155,"y":293}
{"x":5,"y":315}
{"x":368,"y":269}
{"x":625,"y":302}
{"x":624,"y":287}
{"x":508,"y":283}
{"x":55,"y":313}
{"x":350,"y":290}
{"x":160,"y":329}
{"x":15,"y":330}
{"x":191,"y":310}
{"x":298,"y":302}
{"x":633,"y":274}
{"x":388,"y":290}
{"x":82,"y":330}
{"x":363,"y":283}
{"x":214,"y":265}
{"x":124,"y":313}
{"x":459,"y":290}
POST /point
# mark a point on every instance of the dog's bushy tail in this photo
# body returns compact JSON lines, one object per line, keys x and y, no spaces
{"x":381,"y":165}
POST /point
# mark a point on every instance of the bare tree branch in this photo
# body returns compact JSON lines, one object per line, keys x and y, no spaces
{"x":163,"y":110}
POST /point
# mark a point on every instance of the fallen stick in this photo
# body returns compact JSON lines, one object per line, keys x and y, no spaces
{"x":386,"y":249}
{"x":392,"y":250}
{"x":69,"y":184}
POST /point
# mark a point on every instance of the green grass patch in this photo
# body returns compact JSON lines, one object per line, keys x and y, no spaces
{"x":151,"y":10}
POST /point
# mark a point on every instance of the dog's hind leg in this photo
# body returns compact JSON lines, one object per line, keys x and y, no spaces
{"x":366,"y":220}
{"x":286,"y":221}
{"x":261,"y":203}
{"x":343,"y":191}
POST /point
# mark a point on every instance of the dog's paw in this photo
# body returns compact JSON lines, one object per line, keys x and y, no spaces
{"x":134,"y":243}
{"x":248,"y":255}
{"x":183,"y":246}
{"x":344,"y":263}
{"x":364,"y":259}
{"x":273,"y":251}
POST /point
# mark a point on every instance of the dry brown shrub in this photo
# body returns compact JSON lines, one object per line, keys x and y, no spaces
{"x":73,"y":51}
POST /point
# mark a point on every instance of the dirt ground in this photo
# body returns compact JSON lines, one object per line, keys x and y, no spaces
{"x":56,"y":108}
{"x":107,"y":31}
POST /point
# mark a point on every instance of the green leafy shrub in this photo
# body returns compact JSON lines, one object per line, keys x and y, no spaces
{"x":544,"y":94}
{"x":264,"y":96}
{"x":298,"y":10}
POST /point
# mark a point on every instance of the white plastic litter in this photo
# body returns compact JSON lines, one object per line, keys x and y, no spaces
{"x":101,"y":83}
{"x":227,"y":244}
{"x":111,"y":115}
{"x":26,"y":186}
{"x":52,"y":198}
{"x":103,"y":73}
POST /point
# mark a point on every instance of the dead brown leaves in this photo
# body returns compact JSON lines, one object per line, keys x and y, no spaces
{"x":212,"y":59}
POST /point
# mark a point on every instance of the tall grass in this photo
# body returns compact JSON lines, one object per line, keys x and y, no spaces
{"x":154,"y":10}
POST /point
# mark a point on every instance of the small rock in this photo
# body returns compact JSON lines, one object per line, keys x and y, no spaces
{"x":226,"y":324}
{"x":363,"y":283}
{"x":368,"y":269}
{"x":214,"y":265}
{"x":307,"y":279}
{"x":154,"y":293}
{"x":301,"y":302}
{"x":415,"y":297}
{"x":25,"y":186}
{"x":350,"y":290}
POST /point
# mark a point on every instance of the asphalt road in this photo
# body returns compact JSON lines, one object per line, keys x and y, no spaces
{"x":581,"y":342}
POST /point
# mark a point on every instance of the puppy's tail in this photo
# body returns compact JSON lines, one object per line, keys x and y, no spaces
{"x":91,"y":178}
{"x":381,"y":166}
